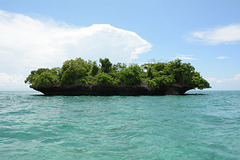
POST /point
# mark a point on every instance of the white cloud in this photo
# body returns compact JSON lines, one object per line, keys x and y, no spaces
{"x":237,"y":77}
{"x":8,"y":81}
{"x":28,"y":43}
{"x":184,"y":57}
{"x":228,"y":83}
{"x":223,"y":35}
{"x":222,"y":57}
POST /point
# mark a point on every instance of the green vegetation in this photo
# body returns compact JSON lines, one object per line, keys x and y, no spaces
{"x":86,"y":73}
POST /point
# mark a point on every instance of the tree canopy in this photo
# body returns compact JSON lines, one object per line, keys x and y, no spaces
{"x":86,"y":73}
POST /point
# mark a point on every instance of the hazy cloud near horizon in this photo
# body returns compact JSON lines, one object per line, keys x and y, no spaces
{"x":28,"y":44}
{"x":225,"y":84}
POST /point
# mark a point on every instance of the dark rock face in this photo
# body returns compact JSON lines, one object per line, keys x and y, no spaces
{"x":104,"y":90}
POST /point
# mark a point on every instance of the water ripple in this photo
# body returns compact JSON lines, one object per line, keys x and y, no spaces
{"x":203,"y":126}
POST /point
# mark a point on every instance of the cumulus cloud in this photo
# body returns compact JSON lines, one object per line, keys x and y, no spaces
{"x":228,"y":83}
{"x":27,"y":43}
{"x":223,"y":35}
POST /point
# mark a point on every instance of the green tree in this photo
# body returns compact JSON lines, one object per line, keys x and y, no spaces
{"x":105,"y":65}
{"x":43,"y":77}
{"x":159,"y":66}
{"x":119,"y":66}
{"x":73,"y":71}
{"x":131,"y":75}
{"x":94,"y":69}
{"x":165,"y":80}
{"x":150,"y":73}
{"x":199,"y":82}
{"x":105,"y":79}
{"x":80,"y":72}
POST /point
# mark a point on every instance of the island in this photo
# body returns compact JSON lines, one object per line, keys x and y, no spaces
{"x":80,"y":77}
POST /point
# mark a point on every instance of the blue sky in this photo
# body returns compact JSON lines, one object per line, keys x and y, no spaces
{"x":45,"y":33}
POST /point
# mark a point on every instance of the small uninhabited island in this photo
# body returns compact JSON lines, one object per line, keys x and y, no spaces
{"x":80,"y":77}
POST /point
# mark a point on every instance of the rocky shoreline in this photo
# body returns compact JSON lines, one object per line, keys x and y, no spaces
{"x":105,"y":90}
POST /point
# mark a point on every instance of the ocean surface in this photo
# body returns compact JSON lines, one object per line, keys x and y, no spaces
{"x":203,"y":125}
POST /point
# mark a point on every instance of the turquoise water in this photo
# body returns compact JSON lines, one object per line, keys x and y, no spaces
{"x":192,"y":127}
